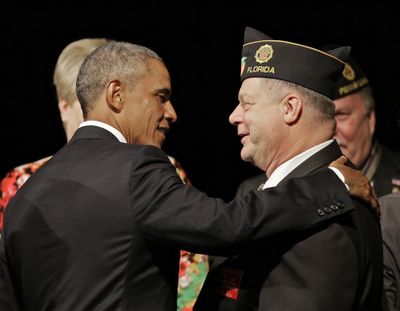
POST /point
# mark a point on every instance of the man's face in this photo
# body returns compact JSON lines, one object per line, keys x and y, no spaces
{"x":258,"y":120}
{"x":149,"y":111}
{"x":354,"y":128}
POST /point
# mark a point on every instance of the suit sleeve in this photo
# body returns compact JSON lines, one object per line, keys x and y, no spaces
{"x":169,"y":211}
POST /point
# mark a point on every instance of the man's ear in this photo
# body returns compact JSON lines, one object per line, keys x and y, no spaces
{"x":114,"y":98}
{"x":372,"y":122}
{"x":292,"y":107}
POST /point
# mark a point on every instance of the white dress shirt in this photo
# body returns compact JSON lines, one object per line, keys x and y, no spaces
{"x":285,"y":168}
{"x":107,"y":127}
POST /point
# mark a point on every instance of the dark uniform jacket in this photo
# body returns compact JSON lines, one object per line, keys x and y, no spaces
{"x":390,"y":222}
{"x":100,"y":225}
{"x":336,"y":266}
{"x":386,"y":177}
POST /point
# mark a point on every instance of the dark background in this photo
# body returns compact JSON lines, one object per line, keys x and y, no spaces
{"x":201,"y":44}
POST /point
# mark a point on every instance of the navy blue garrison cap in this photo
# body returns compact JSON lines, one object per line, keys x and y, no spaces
{"x":352,"y":79}
{"x":300,"y":64}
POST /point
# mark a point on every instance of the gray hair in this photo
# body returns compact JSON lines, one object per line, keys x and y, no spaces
{"x":321,"y":103}
{"x":367,"y":99}
{"x":117,"y":60}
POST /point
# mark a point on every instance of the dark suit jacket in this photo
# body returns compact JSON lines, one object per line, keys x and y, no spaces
{"x":8,"y":300}
{"x":337,"y":266}
{"x":251,"y":183}
{"x":100,"y":225}
{"x":390,"y":222}
{"x":387,"y":175}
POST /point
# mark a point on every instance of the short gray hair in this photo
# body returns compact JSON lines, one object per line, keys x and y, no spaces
{"x":321,"y":103}
{"x":116,"y":60}
{"x":367,"y":99}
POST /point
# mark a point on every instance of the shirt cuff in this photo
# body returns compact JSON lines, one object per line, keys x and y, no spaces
{"x":341,"y":177}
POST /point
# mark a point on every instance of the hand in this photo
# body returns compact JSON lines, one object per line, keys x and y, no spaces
{"x":359,"y":184}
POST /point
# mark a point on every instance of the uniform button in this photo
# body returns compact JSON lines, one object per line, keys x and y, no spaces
{"x":334,"y":207}
{"x":340,"y":204}
{"x":320,"y":212}
{"x":327,"y":210}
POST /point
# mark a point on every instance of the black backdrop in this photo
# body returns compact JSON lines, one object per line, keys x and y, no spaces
{"x":201,"y":44}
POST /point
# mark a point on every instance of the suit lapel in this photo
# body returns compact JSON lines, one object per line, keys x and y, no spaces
{"x":317,"y":161}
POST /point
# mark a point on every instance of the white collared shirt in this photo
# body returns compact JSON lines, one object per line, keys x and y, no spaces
{"x":285,"y":168}
{"x":107,"y":127}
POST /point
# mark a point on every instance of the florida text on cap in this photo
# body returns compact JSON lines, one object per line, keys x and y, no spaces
{"x":300,"y":64}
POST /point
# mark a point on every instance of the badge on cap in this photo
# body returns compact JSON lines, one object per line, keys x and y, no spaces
{"x":292,"y":62}
{"x":348,"y":72}
{"x":264,"y":54}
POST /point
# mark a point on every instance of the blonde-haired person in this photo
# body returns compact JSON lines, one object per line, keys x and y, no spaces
{"x":64,"y":79}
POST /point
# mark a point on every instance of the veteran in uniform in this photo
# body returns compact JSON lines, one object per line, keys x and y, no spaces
{"x":355,"y":133}
{"x":286,"y":122}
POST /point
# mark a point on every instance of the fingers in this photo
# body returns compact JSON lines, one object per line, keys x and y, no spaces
{"x":372,"y":199}
{"x":376,"y":209}
{"x":375,"y":203}
{"x":359,"y":184}
{"x":342,"y":159}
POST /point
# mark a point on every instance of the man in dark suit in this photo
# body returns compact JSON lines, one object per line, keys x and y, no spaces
{"x":286,"y":121}
{"x":100,"y":225}
{"x":355,"y":134}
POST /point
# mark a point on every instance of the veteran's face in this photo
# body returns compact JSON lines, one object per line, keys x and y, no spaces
{"x":355,"y":128}
{"x":149,"y":111}
{"x":258,"y":119}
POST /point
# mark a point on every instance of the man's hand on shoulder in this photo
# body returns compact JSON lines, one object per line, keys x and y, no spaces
{"x":358,"y":183}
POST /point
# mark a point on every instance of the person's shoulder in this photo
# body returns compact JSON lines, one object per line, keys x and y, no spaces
{"x":390,"y":208}
{"x":255,"y":179}
{"x":251,"y":183}
{"x":390,"y":197}
{"x":18,"y":175}
{"x":141,"y":149}
{"x":139,"y":154}
{"x":390,"y":153}
{"x":31,"y":167}
{"x":391,"y":200}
